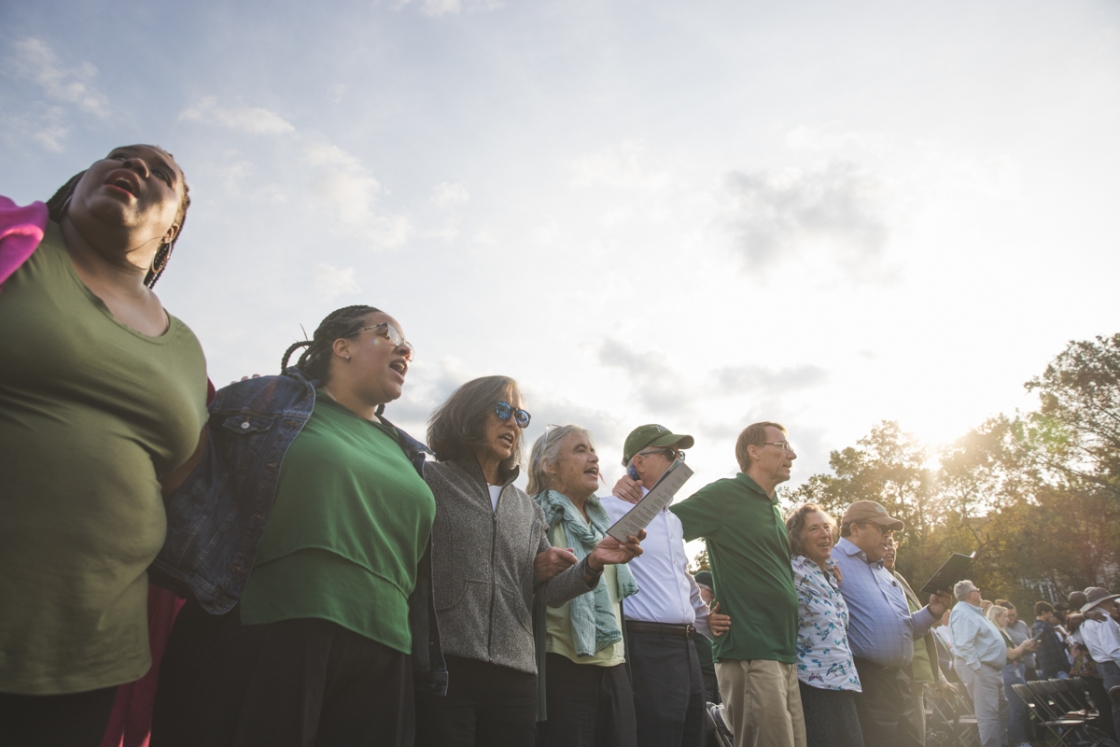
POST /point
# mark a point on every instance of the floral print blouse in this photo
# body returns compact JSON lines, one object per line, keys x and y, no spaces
{"x":824,"y":659}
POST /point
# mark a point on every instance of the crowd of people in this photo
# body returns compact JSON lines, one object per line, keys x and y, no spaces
{"x":275,"y":563}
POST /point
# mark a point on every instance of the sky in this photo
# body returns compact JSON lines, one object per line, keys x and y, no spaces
{"x":695,"y":214}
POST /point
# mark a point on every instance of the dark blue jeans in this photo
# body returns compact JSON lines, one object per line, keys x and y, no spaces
{"x":1018,"y":726}
{"x":1110,"y":673}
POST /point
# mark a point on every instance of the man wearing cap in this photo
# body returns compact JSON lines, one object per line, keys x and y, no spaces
{"x":748,"y":546}
{"x":1101,"y":634}
{"x":881,"y":629}
{"x":667,"y":612}
{"x":980,"y":653}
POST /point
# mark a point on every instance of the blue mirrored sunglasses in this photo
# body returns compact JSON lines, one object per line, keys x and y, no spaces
{"x":504,"y":409}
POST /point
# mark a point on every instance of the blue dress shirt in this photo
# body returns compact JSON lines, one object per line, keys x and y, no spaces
{"x":976,"y":639}
{"x":881,"y":628}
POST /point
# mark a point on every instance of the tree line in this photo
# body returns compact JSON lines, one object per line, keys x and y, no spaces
{"x":1036,"y":495}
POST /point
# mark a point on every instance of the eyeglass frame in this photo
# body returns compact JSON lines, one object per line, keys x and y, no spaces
{"x":504,"y":411}
{"x":785,"y":446}
{"x":883,"y":531}
{"x":670,"y":451}
{"x":390,"y":333}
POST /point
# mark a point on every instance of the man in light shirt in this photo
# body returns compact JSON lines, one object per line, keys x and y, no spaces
{"x":881,"y":628}
{"x":980,"y":652}
{"x":1101,"y":635}
{"x":667,"y":612}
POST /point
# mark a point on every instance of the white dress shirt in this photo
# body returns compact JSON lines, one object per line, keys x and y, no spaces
{"x":1102,"y":638}
{"x":667,"y":593}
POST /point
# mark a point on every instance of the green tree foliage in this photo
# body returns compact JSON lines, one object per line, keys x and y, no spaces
{"x":1037,"y":496}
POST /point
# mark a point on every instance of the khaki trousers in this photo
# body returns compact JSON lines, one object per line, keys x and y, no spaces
{"x":762,"y":702}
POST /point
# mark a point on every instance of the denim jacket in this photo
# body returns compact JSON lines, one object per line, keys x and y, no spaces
{"x":216,"y":518}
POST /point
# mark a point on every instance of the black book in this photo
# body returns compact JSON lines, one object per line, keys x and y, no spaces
{"x":954,"y":570}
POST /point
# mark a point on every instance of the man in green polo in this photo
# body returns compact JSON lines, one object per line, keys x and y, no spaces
{"x":749,"y":552}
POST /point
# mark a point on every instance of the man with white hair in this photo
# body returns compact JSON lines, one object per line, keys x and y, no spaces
{"x":980,"y":653}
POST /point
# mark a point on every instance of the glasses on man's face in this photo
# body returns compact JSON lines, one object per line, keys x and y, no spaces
{"x":504,"y":410}
{"x":882,"y":530}
{"x":783,"y":445}
{"x":393,"y":335}
{"x":669,"y":452}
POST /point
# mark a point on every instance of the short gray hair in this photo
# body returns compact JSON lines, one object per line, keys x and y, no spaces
{"x":547,"y":449}
{"x":963,"y":589}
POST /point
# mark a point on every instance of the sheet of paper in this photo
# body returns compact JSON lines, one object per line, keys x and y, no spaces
{"x":642,"y":514}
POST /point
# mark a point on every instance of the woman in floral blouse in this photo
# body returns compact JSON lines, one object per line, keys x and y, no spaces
{"x":825,"y":670}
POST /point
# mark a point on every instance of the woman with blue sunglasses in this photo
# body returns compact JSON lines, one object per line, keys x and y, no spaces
{"x":491,"y":554}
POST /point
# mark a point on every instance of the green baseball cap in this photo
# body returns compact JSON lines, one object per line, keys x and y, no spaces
{"x":645,"y":436}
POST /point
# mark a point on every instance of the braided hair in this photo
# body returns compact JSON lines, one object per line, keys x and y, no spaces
{"x":58,"y":204}
{"x":315,"y":362}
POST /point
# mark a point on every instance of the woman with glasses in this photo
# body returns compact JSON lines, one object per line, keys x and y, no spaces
{"x":318,"y":512}
{"x":491,"y":555}
{"x":589,"y":698}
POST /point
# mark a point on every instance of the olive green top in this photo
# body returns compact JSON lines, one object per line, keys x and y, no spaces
{"x":350,"y":524}
{"x":91,"y":412}
{"x":559,"y":619}
{"x":749,"y":552}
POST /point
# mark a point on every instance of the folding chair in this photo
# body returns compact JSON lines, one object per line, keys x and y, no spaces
{"x":1043,"y":711}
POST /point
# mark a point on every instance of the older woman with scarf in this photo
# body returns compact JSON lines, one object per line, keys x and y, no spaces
{"x":588,"y":695}
{"x":491,"y":555}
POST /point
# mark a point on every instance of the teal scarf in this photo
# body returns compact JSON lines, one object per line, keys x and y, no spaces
{"x":594,"y":626}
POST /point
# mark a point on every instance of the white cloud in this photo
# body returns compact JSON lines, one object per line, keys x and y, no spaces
{"x":36,"y":61}
{"x":251,"y":119}
{"x":619,"y":166}
{"x":348,"y":186}
{"x":835,"y":208}
{"x":436,"y":8}
{"x":331,"y":282}
{"x":446,"y":194}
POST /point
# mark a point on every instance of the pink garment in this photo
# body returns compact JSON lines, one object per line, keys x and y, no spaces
{"x":21,"y":230}
{"x":130,"y":723}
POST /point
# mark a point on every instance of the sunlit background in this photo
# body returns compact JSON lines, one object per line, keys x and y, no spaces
{"x":696,"y":214}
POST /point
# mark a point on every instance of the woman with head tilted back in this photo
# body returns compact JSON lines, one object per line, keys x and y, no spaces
{"x":335,"y":520}
{"x":491,"y":556}
{"x":589,"y":698}
{"x":102,"y":394}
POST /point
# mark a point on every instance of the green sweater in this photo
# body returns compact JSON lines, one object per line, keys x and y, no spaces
{"x":749,"y":551}
{"x":350,"y":524}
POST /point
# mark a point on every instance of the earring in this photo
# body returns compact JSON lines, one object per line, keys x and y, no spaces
{"x":347,"y":357}
{"x":160,"y":260}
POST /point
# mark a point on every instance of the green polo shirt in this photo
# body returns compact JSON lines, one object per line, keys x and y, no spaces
{"x":749,"y":551}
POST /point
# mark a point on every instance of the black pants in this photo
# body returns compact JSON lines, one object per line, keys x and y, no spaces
{"x":588,"y":706}
{"x":668,"y":690}
{"x":486,"y":705}
{"x":881,"y":705}
{"x":71,"y":720}
{"x":293,"y":683}
{"x":831,"y":719}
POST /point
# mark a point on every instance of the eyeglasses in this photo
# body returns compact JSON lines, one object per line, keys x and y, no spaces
{"x":670,"y":453}
{"x":504,"y":410}
{"x":783,"y":445}
{"x":393,"y":335}
{"x":889,"y":533}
